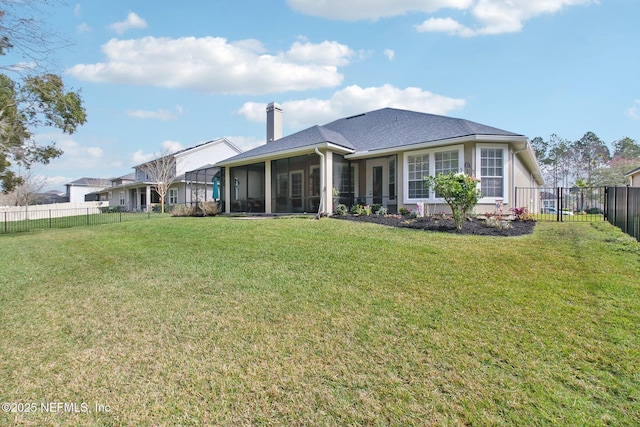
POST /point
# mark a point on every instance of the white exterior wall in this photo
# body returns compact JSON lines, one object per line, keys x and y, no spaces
{"x":77,"y":192}
{"x":204,"y":155}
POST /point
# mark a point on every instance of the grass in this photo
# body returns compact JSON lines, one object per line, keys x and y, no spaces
{"x":218,"y":321}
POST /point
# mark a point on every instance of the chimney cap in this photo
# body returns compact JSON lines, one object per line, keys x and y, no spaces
{"x":274,"y":106}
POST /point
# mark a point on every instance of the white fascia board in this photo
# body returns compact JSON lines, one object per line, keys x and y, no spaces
{"x":439,"y":143}
{"x":284,"y":154}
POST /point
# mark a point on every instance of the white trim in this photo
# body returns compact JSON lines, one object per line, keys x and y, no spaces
{"x":432,"y":167}
{"x":435,"y":144}
{"x":506,"y":168}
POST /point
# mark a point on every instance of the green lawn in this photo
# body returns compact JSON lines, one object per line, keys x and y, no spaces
{"x":219,"y":321}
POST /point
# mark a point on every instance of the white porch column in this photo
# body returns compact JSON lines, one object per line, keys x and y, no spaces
{"x":267,"y":186}
{"x":328,"y":182}
{"x":148,"y":198}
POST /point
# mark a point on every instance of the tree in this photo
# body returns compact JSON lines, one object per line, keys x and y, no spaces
{"x":460,"y":191}
{"x":34,"y":97}
{"x":626,"y":148}
{"x":29,"y":191}
{"x":161,"y":171}
{"x":589,"y":153}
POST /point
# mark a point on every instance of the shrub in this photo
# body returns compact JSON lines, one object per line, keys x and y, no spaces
{"x":340,"y":209}
{"x":460,"y":191}
{"x":357,"y":209}
{"x":367,"y":210}
{"x":375,"y":208}
{"x":183,"y":210}
{"x":383,"y":211}
{"x":404,"y":211}
{"x":522,"y":214}
{"x":209,"y":208}
{"x":594,"y":211}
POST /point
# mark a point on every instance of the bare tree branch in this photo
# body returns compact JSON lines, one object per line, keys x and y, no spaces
{"x":162,"y":173}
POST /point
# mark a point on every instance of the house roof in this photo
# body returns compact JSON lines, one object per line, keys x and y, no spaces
{"x":90,"y":182}
{"x":195,"y":147}
{"x":633,"y":172}
{"x":383,"y":129}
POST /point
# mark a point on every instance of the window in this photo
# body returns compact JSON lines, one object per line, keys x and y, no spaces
{"x":418,"y":167}
{"x":173,"y":196}
{"x":492,"y":172}
{"x":122,"y":198}
{"x":429,"y":162}
{"x":446,"y":162}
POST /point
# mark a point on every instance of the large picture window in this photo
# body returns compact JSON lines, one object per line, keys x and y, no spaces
{"x":492,"y":172}
{"x":420,"y":164}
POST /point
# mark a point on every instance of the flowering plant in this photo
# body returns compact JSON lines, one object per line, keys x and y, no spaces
{"x":522,"y":214}
{"x":460,"y":191}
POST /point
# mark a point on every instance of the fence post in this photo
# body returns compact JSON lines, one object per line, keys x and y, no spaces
{"x":50,"y":226}
{"x":5,"y":221}
{"x":87,"y":216}
{"x":559,"y":204}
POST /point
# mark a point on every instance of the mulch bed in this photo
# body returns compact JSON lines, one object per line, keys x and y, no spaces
{"x":473,"y":226}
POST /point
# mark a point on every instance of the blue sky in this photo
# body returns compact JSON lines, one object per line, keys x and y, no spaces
{"x":174,"y":74}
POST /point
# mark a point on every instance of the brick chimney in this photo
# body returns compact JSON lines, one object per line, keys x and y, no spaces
{"x":274,"y":122}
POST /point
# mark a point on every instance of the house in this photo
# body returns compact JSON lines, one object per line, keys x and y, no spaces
{"x":634,"y":177}
{"x":76,"y":190}
{"x":134,"y":192}
{"x":378,"y":157}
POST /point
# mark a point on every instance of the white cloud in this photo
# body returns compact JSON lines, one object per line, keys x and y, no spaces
{"x":633,"y":112}
{"x":86,"y":159}
{"x":246,"y":142}
{"x":490,"y":16}
{"x":83,"y":28}
{"x":171,"y":146}
{"x":353,"y":100}
{"x":444,"y":25}
{"x":498,"y":17}
{"x":354,"y":10}
{"x":390,"y":54}
{"x":77,"y":10}
{"x":325,"y":53}
{"x":133,"y":21}
{"x":214,"y":65}
{"x":159,"y":114}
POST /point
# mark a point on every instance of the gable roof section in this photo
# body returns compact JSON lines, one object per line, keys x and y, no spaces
{"x":310,"y":137}
{"x":394,"y":128}
{"x":387,"y":128}
{"x":90,"y":182}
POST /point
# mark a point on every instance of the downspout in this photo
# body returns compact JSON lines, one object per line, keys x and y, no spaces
{"x":322,"y":187}
{"x":513,"y":170}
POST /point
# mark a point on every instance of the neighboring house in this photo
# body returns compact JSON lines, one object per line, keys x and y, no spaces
{"x":135,"y":192}
{"x":378,"y":157}
{"x":634,"y":177}
{"x":76,"y":190}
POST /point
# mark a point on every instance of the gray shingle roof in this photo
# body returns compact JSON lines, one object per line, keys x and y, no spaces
{"x":378,"y":130}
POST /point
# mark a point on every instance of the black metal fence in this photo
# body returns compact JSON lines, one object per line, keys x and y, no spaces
{"x":12,"y":221}
{"x":575,"y":204}
{"x":623,"y":209}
